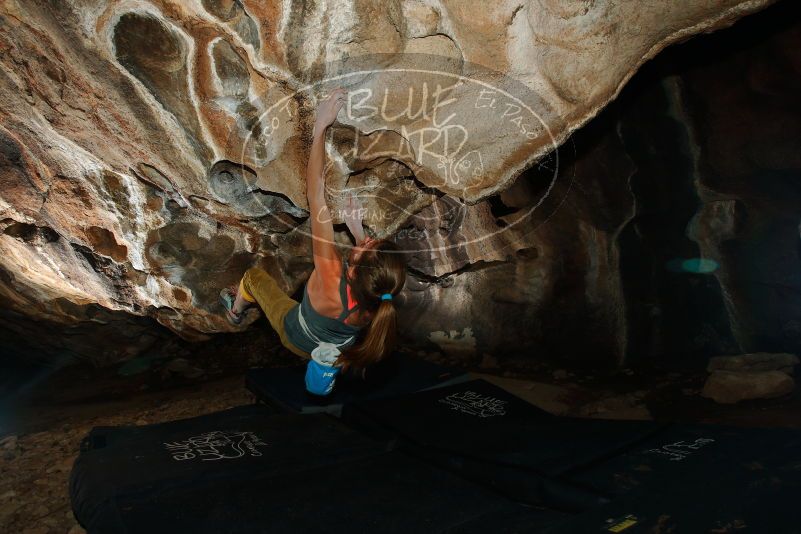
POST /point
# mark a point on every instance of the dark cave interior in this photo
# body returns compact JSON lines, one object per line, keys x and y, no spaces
{"x":675,"y":238}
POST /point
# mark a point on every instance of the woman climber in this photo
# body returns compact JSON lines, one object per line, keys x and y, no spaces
{"x":346,"y":319}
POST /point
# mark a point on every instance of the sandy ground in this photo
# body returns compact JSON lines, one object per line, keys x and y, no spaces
{"x":34,"y":468}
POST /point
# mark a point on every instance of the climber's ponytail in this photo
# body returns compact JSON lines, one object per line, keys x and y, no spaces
{"x":379,"y":274}
{"x":378,"y":340}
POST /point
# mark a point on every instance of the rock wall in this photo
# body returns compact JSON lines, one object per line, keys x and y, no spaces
{"x":679,"y":237}
{"x":746,"y":122}
{"x":151,"y":151}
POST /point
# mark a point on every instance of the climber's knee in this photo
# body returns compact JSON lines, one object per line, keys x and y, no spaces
{"x":247,"y":283}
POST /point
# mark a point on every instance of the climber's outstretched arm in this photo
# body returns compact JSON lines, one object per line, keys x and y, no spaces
{"x":326,"y":258}
{"x":353,"y":217}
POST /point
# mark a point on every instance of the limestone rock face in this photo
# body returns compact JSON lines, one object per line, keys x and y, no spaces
{"x":728,"y":387}
{"x":152,"y":150}
{"x":749,"y":376}
{"x":759,"y":361}
{"x":673,"y":234}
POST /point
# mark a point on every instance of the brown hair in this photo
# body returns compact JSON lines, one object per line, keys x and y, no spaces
{"x":380,"y":269}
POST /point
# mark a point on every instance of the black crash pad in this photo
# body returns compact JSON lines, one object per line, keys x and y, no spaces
{"x":398,"y":375}
{"x":709,"y":502}
{"x":699,"y":478}
{"x":388,"y":493}
{"x":694,"y":477}
{"x":487,"y":434}
{"x":250,"y":470}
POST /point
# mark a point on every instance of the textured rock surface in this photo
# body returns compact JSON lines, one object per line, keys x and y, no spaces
{"x":677,"y":235}
{"x":749,"y":376}
{"x":727,"y":387}
{"x":759,"y":361}
{"x":138,"y":177}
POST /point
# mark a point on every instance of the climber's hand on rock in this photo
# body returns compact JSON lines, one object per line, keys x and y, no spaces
{"x":328,"y":108}
{"x":354,"y":206}
{"x":354,"y":213}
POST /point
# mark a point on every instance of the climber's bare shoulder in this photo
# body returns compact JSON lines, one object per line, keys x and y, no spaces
{"x":323,"y":286}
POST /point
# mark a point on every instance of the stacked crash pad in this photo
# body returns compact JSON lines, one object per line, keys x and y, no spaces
{"x":282,"y":388}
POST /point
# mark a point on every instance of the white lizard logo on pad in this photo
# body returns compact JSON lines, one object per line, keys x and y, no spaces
{"x":473,"y":403}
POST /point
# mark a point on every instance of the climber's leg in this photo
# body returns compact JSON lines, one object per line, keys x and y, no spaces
{"x":259,"y":287}
{"x":242,"y":302}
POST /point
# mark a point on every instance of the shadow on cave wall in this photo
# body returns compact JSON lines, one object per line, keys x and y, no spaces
{"x":678,"y":236}
{"x":713,"y":129}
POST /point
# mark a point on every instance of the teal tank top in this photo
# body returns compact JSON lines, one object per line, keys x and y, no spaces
{"x":305,"y":328}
